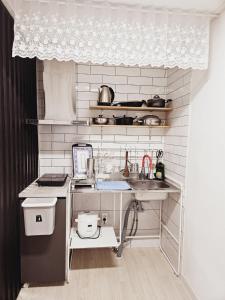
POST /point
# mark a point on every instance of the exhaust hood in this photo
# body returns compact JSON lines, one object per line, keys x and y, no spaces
{"x":60,"y":96}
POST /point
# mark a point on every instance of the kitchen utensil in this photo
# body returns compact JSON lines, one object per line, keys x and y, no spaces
{"x":142,"y":174}
{"x":157,"y":102}
{"x":129,"y":103}
{"x":134,"y":167}
{"x":149,"y":120}
{"x":80,"y":154}
{"x":124,"y":120}
{"x":100,"y":120}
{"x":115,"y":173}
{"x":106,"y":95}
{"x":134,"y":170}
{"x":159,"y":154}
{"x":90,"y":167}
{"x":126,"y":169}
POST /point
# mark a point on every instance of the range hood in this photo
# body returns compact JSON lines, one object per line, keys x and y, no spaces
{"x":60,"y":96}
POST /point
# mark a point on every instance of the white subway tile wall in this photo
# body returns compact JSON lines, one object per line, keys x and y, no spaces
{"x":127,"y":83}
{"x":175,"y":154}
{"x":109,"y":144}
{"x":176,"y":137}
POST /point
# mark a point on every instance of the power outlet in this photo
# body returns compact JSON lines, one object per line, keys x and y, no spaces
{"x":104,"y":218}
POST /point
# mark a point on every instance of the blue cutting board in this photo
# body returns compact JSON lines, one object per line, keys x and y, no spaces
{"x":112,"y":185}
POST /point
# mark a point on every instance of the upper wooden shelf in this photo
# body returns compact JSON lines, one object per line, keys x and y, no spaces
{"x":133,"y":126}
{"x":142,"y":108}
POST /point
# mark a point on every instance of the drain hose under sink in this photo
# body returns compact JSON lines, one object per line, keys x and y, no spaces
{"x":133,"y":204}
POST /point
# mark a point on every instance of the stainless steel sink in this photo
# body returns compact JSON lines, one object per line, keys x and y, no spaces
{"x":148,"y":190}
{"x":147,"y":184}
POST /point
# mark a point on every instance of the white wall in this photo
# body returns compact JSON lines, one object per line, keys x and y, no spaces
{"x":176,"y":137}
{"x":204,"y":242}
{"x":175,"y":156}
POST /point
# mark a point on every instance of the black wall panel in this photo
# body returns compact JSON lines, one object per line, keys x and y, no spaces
{"x":18,"y":150}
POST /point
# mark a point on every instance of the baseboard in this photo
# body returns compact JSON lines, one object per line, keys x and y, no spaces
{"x":188,"y":288}
{"x":148,"y":243}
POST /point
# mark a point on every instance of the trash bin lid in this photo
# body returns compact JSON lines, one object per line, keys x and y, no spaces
{"x":39,"y":202}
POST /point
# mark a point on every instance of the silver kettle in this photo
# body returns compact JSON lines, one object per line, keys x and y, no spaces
{"x":106,"y":95}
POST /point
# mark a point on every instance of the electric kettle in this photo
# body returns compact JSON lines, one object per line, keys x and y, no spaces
{"x":106,"y":95}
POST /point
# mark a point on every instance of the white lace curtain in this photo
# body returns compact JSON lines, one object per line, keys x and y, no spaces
{"x":106,"y":33}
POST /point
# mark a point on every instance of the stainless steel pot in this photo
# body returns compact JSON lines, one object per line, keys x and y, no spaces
{"x":129,"y":103}
{"x":124,"y":120}
{"x":157,"y":102}
{"x":150,"y":120}
{"x":100,"y":120}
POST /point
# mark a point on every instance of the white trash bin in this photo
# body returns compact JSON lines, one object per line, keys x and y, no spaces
{"x":39,"y":216}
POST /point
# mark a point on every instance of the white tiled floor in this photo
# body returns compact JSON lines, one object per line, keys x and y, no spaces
{"x":97,"y":274}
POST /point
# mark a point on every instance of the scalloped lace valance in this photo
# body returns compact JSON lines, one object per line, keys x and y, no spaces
{"x":114,"y":34}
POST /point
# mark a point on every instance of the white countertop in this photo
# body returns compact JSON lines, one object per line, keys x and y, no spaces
{"x":172,"y":189}
{"x":33,"y":190}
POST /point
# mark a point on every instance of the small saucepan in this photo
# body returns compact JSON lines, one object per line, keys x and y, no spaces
{"x":100,"y":120}
{"x":157,"y":102}
{"x":124,"y":120}
{"x":149,"y":120}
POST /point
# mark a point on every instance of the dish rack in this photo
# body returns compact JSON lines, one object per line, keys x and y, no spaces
{"x":111,"y":160}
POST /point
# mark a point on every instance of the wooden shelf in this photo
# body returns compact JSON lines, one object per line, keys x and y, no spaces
{"x":85,"y":123}
{"x":143,"y":108}
{"x":133,"y":126}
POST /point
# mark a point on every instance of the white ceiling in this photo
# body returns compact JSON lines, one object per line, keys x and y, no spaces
{"x":199,"y":5}
{"x":211,"y":6}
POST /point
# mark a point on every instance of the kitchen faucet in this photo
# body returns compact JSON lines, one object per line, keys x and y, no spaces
{"x":142,"y":174}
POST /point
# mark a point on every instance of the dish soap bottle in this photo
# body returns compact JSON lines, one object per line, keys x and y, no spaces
{"x":160,"y":171}
{"x":159,"y":168}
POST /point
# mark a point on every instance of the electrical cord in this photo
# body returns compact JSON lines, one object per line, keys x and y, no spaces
{"x":91,"y":238}
{"x":136,"y":206}
{"x":124,"y":230}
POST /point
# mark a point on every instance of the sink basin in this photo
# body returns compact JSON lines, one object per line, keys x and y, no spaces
{"x":148,"y":184}
{"x":143,"y":187}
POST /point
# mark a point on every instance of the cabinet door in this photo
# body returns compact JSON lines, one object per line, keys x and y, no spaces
{"x":43,"y":257}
